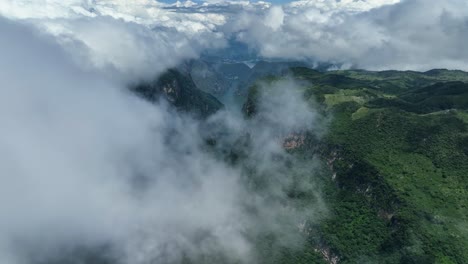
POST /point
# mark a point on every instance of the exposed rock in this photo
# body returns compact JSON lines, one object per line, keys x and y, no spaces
{"x":293,"y":141}
{"x":180,"y":90}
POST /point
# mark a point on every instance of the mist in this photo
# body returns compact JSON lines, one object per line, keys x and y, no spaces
{"x":91,"y":169}
{"x":87,"y":165}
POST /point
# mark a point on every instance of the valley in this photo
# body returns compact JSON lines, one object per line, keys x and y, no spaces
{"x":394,"y":163}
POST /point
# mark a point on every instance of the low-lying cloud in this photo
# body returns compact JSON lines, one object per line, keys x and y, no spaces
{"x":88,"y":165}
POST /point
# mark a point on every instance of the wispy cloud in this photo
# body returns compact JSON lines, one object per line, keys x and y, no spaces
{"x":404,"y":35}
{"x":382,"y":34}
{"x":137,"y":40}
{"x":86,"y":164}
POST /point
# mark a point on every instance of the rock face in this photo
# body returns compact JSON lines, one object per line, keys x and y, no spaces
{"x":293,"y":141}
{"x":179,"y":90}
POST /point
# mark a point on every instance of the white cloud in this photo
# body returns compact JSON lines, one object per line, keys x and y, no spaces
{"x":373,"y":34}
{"x":87,"y":164}
{"x":342,"y":5}
{"x":136,"y":39}
{"x":368,"y":34}
{"x":274,"y":17}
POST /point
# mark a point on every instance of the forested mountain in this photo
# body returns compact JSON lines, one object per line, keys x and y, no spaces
{"x":391,"y":166}
{"x":395,"y":162}
{"x":234,"y":132}
{"x":180,"y":91}
{"x":397,"y":151}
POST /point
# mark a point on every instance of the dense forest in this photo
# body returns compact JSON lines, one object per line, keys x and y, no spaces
{"x":394,"y":163}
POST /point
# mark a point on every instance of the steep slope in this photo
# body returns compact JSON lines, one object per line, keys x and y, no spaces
{"x":393,"y":174}
{"x":397,"y":155}
{"x":208,"y":79}
{"x":399,"y":165}
{"x":221,"y":79}
{"x":180,"y":91}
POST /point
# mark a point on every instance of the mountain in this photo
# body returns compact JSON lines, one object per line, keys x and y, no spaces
{"x":228,"y":80}
{"x":396,"y":155}
{"x":208,"y":79}
{"x":393,"y":164}
{"x":180,"y":91}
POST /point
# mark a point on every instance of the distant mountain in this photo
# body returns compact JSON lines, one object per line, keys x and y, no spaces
{"x":208,"y":79}
{"x":393,"y":163}
{"x":234,"y":71}
{"x":229,"y":81}
{"x":432,"y":98}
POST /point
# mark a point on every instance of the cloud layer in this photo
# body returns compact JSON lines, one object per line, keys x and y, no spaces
{"x":86,"y":164}
{"x":404,"y":35}
{"x":130,"y":41}
{"x":384,"y":34}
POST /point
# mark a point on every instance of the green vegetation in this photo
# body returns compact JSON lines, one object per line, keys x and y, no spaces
{"x":398,"y":145}
{"x":397,"y":155}
{"x":395,"y":166}
{"x":180,"y":91}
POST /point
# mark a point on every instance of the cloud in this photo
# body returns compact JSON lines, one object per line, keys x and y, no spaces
{"x":274,"y":18}
{"x":126,"y":47}
{"x":128,"y":41}
{"x":385,"y":35}
{"x":86,"y":164}
{"x":377,"y":34}
{"x":342,"y":5}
